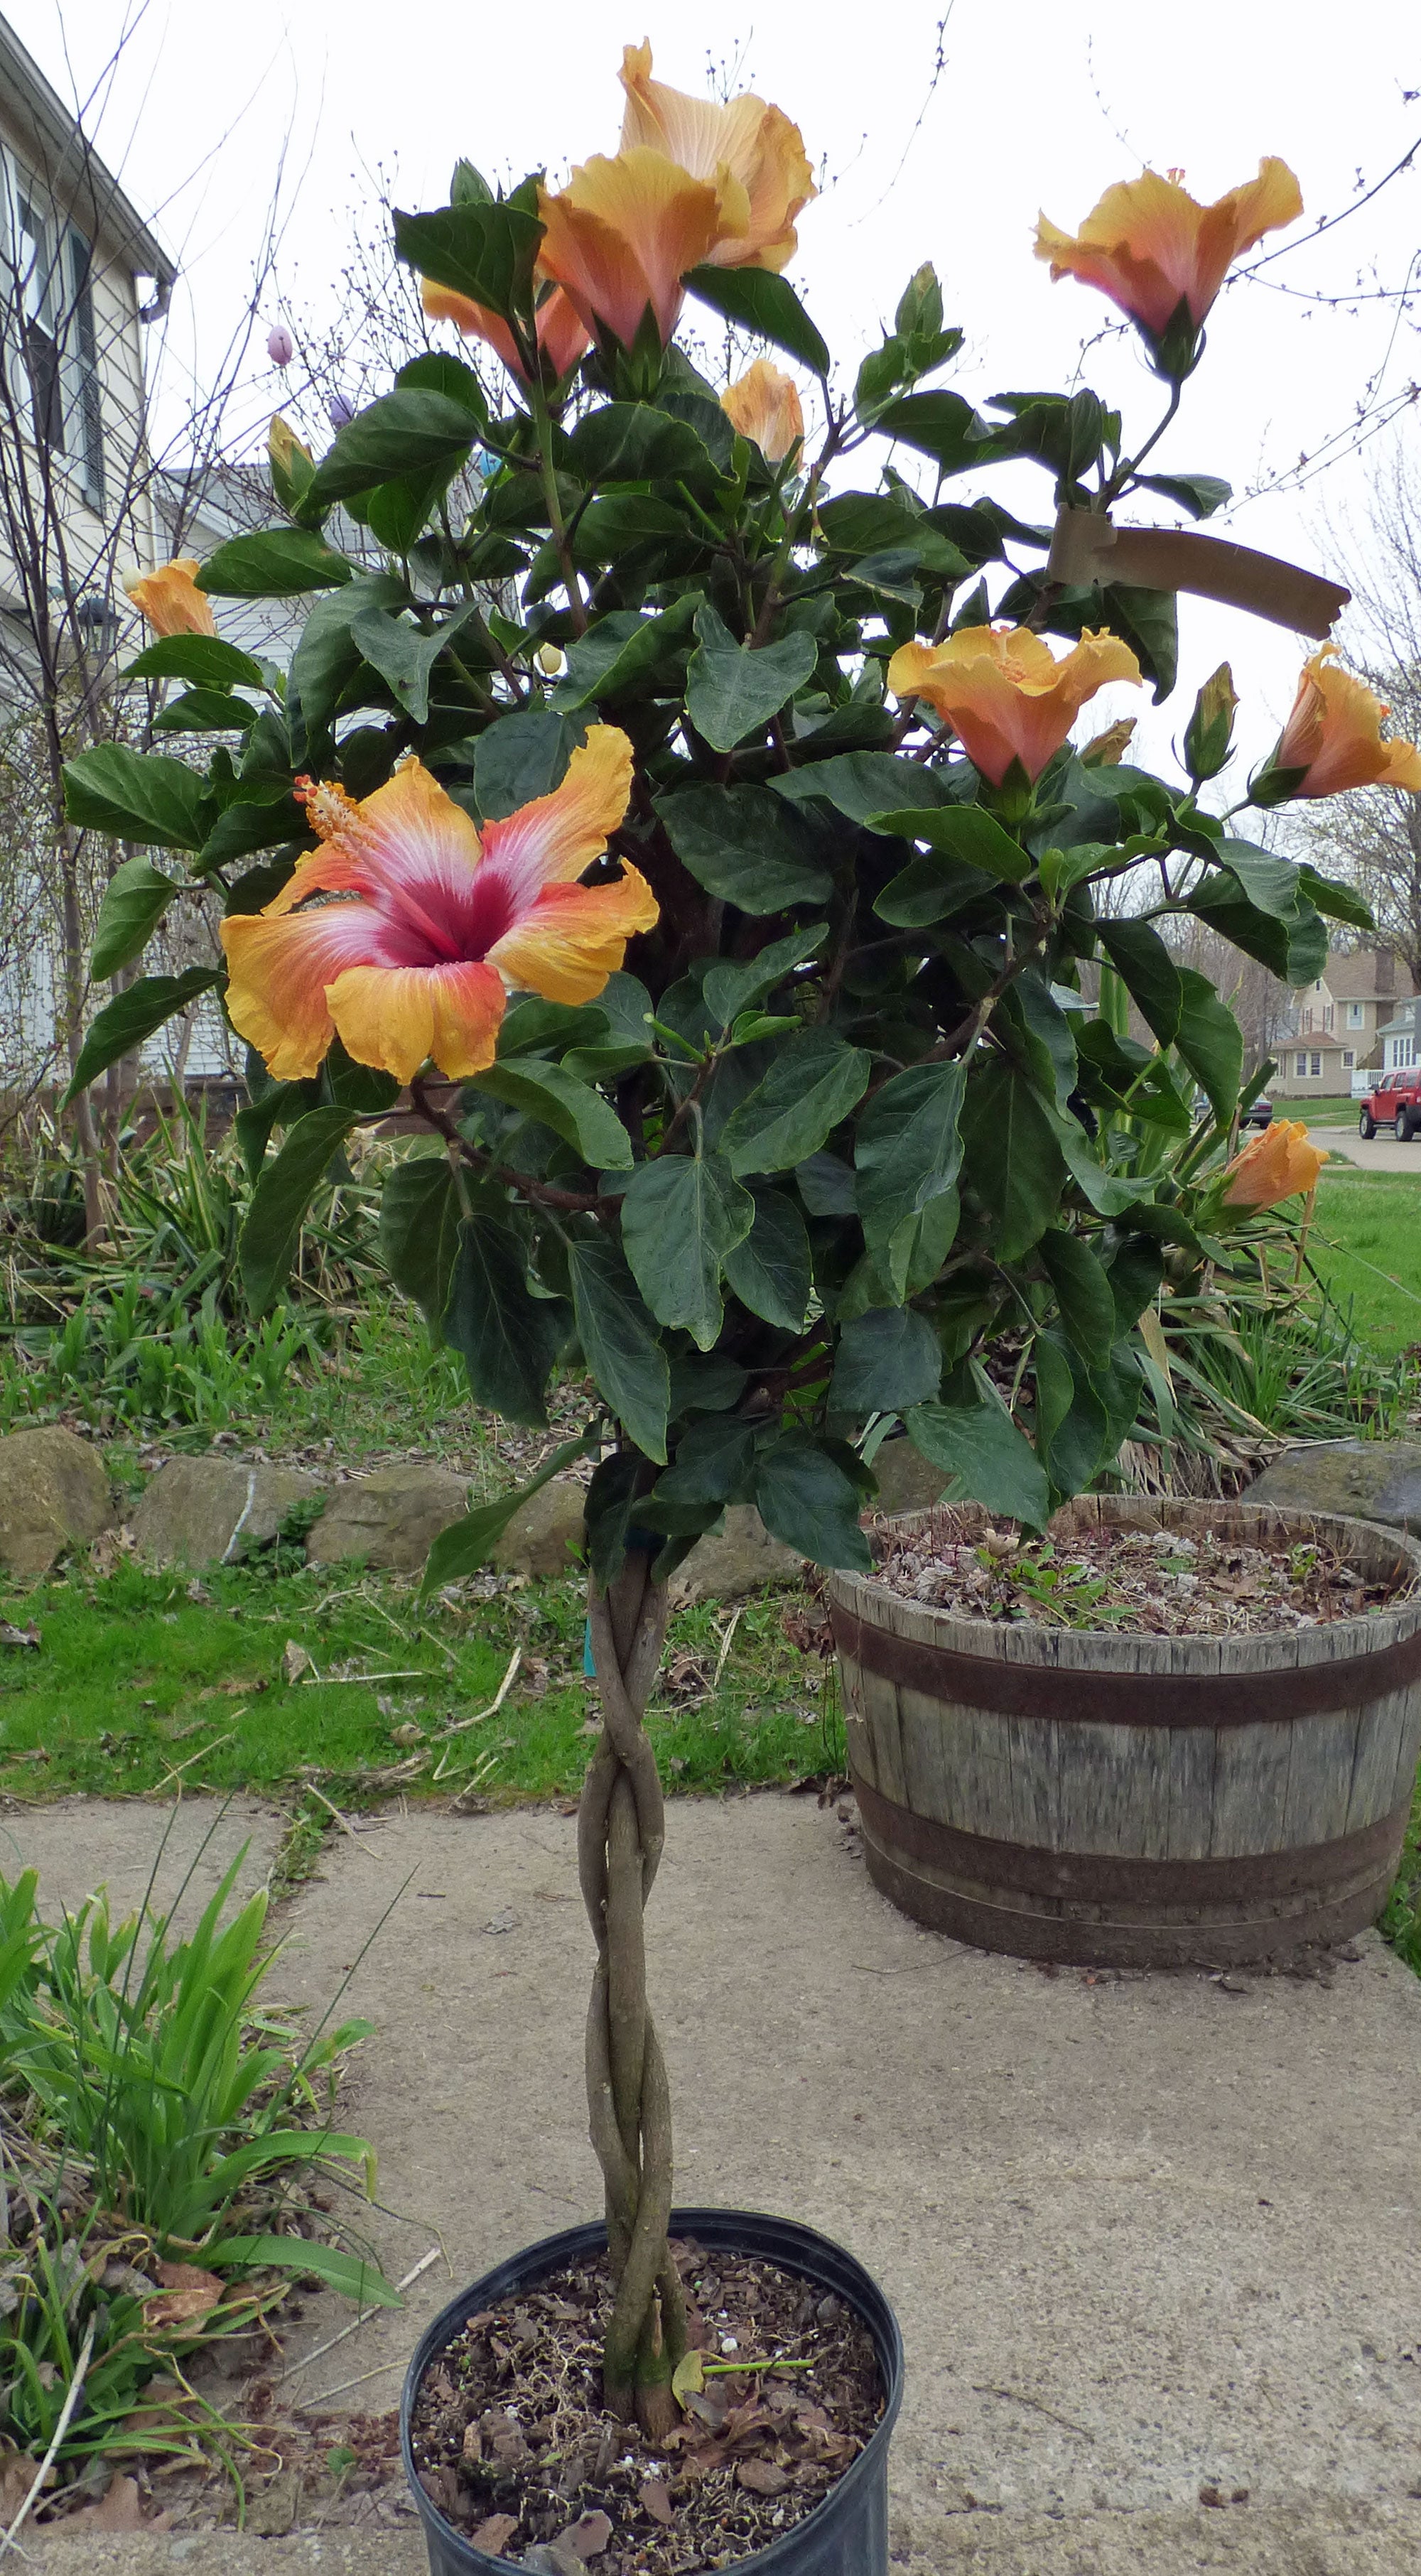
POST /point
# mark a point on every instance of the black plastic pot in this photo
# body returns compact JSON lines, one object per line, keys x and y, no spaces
{"x":846,"y":2535}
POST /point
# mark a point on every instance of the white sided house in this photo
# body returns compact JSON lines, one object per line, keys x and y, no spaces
{"x":1345,"y":1024}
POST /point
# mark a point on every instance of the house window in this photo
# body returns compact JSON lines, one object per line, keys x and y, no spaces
{"x":1355,"y":1018}
{"x":1327,"y":1015}
{"x":1316,"y":1065}
{"x":1300,"y":1065}
{"x":1348,"y":1059}
{"x":1307,"y":1022}
{"x":58,"y":340}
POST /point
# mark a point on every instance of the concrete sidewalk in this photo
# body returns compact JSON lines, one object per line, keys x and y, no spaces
{"x":1145,"y":2237}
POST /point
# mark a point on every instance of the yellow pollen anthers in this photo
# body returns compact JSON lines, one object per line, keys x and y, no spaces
{"x":331,"y":813}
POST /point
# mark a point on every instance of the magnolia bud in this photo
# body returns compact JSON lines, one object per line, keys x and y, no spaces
{"x":339,"y":410}
{"x":1208,"y":738}
{"x":280,"y":347}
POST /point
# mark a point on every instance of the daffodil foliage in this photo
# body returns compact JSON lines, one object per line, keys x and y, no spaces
{"x":692,"y":831}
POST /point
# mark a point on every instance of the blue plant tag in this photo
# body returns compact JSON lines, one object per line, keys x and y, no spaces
{"x":588,"y":1665}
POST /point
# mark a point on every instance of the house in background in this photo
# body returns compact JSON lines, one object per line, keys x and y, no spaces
{"x":80,"y":276}
{"x":1344,"y":1021}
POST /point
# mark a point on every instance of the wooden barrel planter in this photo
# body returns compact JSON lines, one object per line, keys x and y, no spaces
{"x":1137,"y":1800}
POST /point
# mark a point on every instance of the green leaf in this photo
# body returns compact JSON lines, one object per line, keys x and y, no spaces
{"x":992,"y":1461}
{"x":1108,"y":1192}
{"x":813,"y":1083}
{"x":280,"y":1200}
{"x":1013,"y":1158}
{"x":623,"y":652}
{"x":1146,"y":968}
{"x":521,"y":757}
{"x":205,"y":661}
{"x":405,"y":655}
{"x":1083,"y":1293}
{"x":413,"y":431}
{"x":732,"y":691}
{"x":1340,"y":902}
{"x":133,"y":1015}
{"x":438,"y":371}
{"x":508,"y":1339}
{"x":1073,"y":1424}
{"x":397,"y":512}
{"x":860,"y":783}
{"x":619,"y":1341}
{"x":771,"y":1271}
{"x":731,"y":990}
{"x":135,"y":899}
{"x":908,"y":1153}
{"x":419,"y":1234}
{"x":485,"y":251}
{"x":273,"y":563}
{"x":746,"y":846}
{"x":549,"y":1093}
{"x":966,"y":832}
{"x":807,"y":1502}
{"x":1200,"y":494}
{"x":943,"y":426}
{"x":634,"y":443}
{"x":205,"y":711}
{"x":1210,"y":1041}
{"x":1293,"y":946}
{"x":1148,"y":620}
{"x":327,"y":657}
{"x":467,"y":1544}
{"x":353,"y":2275}
{"x":887,"y":1360}
{"x":1270,"y":883}
{"x":135,"y":796}
{"x":680,"y":1217}
{"x":761,"y":302}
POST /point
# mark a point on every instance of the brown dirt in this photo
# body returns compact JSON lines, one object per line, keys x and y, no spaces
{"x":1158,"y":1582}
{"x":512,"y":2444}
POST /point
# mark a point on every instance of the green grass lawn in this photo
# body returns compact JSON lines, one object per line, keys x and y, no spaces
{"x":142,"y":1681}
{"x":1366,"y":1243}
{"x":1335,"y":1112}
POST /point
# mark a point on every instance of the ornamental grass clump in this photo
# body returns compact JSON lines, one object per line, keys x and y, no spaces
{"x":692,"y":836}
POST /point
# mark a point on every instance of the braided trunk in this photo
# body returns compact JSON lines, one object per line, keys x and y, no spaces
{"x":621,"y":1828}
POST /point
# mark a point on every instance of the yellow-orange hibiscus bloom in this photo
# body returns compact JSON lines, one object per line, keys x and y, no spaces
{"x":562,"y":336}
{"x":1273,"y":1165}
{"x":170,"y":599}
{"x":1334,"y":737}
{"x":1150,"y":246}
{"x":421,"y":927}
{"x":693,"y":182}
{"x":756,"y":143}
{"x":764,"y":405}
{"x":1004,"y":692}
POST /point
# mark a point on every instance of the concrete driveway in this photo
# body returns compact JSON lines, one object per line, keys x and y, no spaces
{"x":1383,"y":1154}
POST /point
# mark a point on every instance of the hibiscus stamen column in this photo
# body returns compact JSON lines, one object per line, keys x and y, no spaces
{"x":621,"y":1828}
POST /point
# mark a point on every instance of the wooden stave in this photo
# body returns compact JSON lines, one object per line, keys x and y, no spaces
{"x":977,"y":1906}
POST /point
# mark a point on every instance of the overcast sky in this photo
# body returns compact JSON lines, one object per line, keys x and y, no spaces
{"x":1037,"y":105}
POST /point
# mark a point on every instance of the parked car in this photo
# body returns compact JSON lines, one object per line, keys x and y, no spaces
{"x":1395,"y":1102}
{"x":1259,"y":1113}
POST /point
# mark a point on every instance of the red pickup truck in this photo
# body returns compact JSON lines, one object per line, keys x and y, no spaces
{"x":1395,"y":1102}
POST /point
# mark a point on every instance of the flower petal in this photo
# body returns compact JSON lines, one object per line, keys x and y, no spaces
{"x":624,"y":233}
{"x":560,"y":834}
{"x":755,"y":144}
{"x":1004,"y":691}
{"x":764,"y":405}
{"x":573,"y":937}
{"x":171,"y":601}
{"x":399,"y":1017}
{"x":279,"y":970}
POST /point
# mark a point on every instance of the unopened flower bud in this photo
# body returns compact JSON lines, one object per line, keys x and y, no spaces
{"x":280,"y":347}
{"x":1208,"y":738}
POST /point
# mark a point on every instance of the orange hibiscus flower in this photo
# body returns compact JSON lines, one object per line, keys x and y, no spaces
{"x":1005,"y":694}
{"x":407,"y":931}
{"x":1151,"y":247}
{"x":1333,"y":739}
{"x":170,"y":599}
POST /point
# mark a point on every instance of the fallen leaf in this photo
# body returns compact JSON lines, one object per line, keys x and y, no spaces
{"x":491,"y":2535}
{"x":187,"y":2296}
{"x":588,"y":2536}
{"x":294,"y":1661}
{"x":654,"y":2500}
{"x":13,"y":1636}
{"x":761,"y":2477}
{"x":121,"y":2510}
{"x":688,"y":2378}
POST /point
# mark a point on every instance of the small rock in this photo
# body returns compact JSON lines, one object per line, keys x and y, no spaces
{"x":546,"y":1534}
{"x":1372,"y":1480}
{"x":391,"y":1518}
{"x":54,"y":1494}
{"x":212,"y":1511}
{"x":741,"y":1559}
